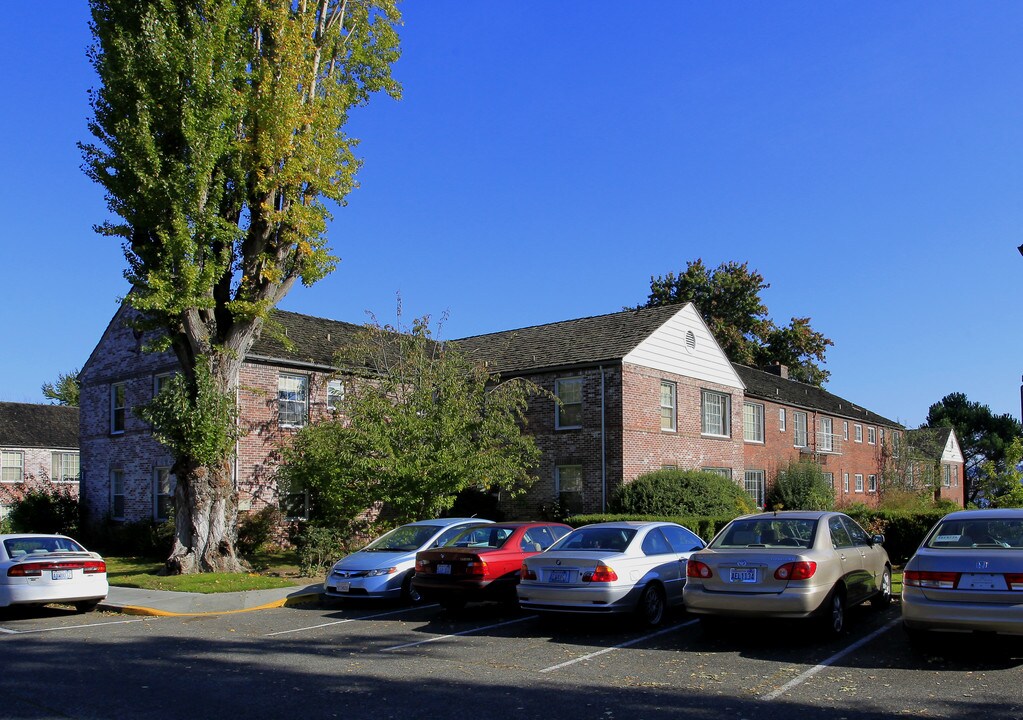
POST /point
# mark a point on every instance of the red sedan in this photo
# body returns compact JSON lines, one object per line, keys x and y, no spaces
{"x":482,"y":563}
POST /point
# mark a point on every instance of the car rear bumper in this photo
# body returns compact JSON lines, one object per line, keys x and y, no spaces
{"x":919,"y":613}
{"x":793,"y":602}
{"x":588,"y":600}
{"x":379,"y":587}
{"x":33,"y":592}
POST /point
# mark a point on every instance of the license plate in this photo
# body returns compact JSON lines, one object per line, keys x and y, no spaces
{"x":981,"y":581}
{"x":558,"y":576}
{"x":443,"y":569}
{"x":344,"y":586}
{"x":60,"y":574}
{"x":742,"y":575}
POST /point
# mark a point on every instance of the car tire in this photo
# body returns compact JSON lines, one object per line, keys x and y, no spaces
{"x":652,"y":606}
{"x":884,"y":594}
{"x":409,"y":595}
{"x":833,"y":620}
{"x":86,"y":606}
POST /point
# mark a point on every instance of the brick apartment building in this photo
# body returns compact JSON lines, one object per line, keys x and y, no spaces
{"x":640,"y":390}
{"x":38,"y":447}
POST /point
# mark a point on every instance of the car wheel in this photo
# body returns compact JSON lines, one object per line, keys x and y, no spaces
{"x":834,"y":618}
{"x":408,"y":593}
{"x":651,"y":605}
{"x":84,"y":606}
{"x":884,"y":594}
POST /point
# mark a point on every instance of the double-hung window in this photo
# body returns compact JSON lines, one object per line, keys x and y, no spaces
{"x":826,"y":440}
{"x":569,"y":412}
{"x":871,"y":483}
{"x":754,"y":483}
{"x":859,"y":482}
{"x":335,"y":395}
{"x":799,"y":429}
{"x":118,"y":405}
{"x":858,"y":433}
{"x":715,"y":414}
{"x":872,"y":435}
{"x":12,"y":466}
{"x":292,"y":400}
{"x":753,"y":422}
{"x":64,"y":467}
{"x":668,"y":406}
{"x":568,"y":485}
{"x":117,"y":494}
{"x":163,"y":493}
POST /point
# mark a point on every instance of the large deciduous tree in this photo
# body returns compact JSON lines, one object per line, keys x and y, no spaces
{"x":219,"y":141}
{"x":983,"y":437}
{"x":419,"y":424}
{"x":729,"y":300}
{"x":65,"y":391}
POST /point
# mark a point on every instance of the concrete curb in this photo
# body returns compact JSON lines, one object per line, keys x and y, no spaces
{"x":172,"y":604}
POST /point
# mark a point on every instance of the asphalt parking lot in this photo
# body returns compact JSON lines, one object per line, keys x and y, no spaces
{"x":378,"y":661}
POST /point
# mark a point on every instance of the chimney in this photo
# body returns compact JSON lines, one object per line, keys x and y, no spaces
{"x":778,"y":369}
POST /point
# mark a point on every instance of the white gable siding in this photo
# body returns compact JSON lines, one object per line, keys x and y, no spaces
{"x":666,"y":350}
{"x":952,"y":453}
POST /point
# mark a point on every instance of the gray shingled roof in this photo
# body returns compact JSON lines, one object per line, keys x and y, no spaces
{"x":768,"y":386}
{"x":928,"y":441}
{"x":315,"y":341}
{"x":585,"y":341}
{"x":24,"y":425}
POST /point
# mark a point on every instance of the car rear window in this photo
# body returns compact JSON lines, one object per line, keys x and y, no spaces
{"x":596,"y":538}
{"x":484,"y":536}
{"x":16,"y":547}
{"x":403,"y":539}
{"x":767,"y":532}
{"x":973,"y":533}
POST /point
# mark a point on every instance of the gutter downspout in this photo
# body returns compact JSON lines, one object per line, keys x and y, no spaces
{"x":603,"y":447}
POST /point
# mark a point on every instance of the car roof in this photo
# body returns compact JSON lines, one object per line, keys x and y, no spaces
{"x":985,"y":514}
{"x":634,"y":524}
{"x":14,"y":536}
{"x":796,"y":514}
{"x":450,"y":521}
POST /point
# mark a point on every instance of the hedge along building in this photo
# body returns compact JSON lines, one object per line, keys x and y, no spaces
{"x":639,"y":390}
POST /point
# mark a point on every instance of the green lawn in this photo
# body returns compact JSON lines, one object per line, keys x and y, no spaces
{"x":142,"y":573}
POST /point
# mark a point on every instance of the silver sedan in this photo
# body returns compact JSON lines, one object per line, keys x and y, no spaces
{"x":608,"y":568}
{"x":967,"y":575}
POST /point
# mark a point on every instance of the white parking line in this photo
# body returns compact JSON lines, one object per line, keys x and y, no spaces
{"x":348,"y":620}
{"x":70,"y":627}
{"x":673,"y":628}
{"x":799,"y":680}
{"x":9,"y":632}
{"x":464,"y":632}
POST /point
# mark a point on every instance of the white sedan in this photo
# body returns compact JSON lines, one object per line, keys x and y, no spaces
{"x":40,"y":569}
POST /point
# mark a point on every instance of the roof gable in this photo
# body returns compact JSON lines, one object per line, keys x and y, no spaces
{"x":26,"y":425}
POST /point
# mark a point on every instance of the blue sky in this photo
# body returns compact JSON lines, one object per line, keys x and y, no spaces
{"x":549,"y":157}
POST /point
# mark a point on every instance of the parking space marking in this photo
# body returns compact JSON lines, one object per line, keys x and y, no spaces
{"x":348,"y":620}
{"x":583,"y":658}
{"x":10,"y":632}
{"x":464,"y":632}
{"x":71,"y":627}
{"x":799,"y":680}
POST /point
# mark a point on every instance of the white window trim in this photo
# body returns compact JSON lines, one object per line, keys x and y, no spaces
{"x":726,"y":414}
{"x":796,"y":415}
{"x":65,"y":453}
{"x":845,"y":482}
{"x":826,"y":440}
{"x":871,"y":483}
{"x":156,"y":491}
{"x":858,"y":477}
{"x":758,"y":417}
{"x":114,"y":408}
{"x":305,"y":403}
{"x":858,"y":433}
{"x":334,"y":399}
{"x":558,"y":406}
{"x":673,"y":407}
{"x":21,"y":466}
{"x":872,"y":435}
{"x":781,"y":419}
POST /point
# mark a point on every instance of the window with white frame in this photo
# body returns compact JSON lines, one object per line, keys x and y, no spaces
{"x":871,"y":483}
{"x":781,"y":419}
{"x":955,"y":476}
{"x":568,"y":487}
{"x":845,"y":482}
{"x":568,"y":414}
{"x":668,"y":406}
{"x":754,"y":484}
{"x":64,"y":467}
{"x":715,"y":414}
{"x":946,"y":475}
{"x":826,"y":438}
{"x":12,"y":466}
{"x":830,"y":477}
{"x":858,"y":433}
{"x":295,"y":504}
{"x":845,"y":430}
{"x":799,"y":429}
{"x":753,"y":422}
{"x":335,"y":395}
{"x":859,"y":482}
{"x":117,"y":494}
{"x":160,"y":382}
{"x":292,"y":400}
{"x":722,"y":471}
{"x":872,"y":435}
{"x":118,"y":406}
{"x":164,"y":483}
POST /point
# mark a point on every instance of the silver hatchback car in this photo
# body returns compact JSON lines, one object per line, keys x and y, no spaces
{"x":967,"y":575}
{"x":790,"y":564}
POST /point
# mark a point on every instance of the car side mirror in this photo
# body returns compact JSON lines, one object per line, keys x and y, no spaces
{"x":877,"y":539}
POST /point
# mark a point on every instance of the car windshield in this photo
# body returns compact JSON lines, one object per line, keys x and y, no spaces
{"x":974,"y":533}
{"x":404,"y":539}
{"x":596,"y":538}
{"x":770,"y":531}
{"x":484,"y":536}
{"x":17,"y":547}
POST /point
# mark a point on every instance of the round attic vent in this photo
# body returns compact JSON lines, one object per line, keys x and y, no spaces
{"x":690,"y":341}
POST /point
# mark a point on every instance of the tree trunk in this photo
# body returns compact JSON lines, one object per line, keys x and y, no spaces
{"x":207,"y":510}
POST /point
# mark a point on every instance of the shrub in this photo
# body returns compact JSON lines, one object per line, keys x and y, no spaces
{"x":141,"y":539}
{"x":681,"y":493}
{"x":257,"y":530}
{"x":903,"y":530}
{"x":50,"y":509}
{"x":319,"y":547}
{"x":801,"y":486}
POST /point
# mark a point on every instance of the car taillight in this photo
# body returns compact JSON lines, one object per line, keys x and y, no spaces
{"x":526,"y":573}
{"x":421,"y":565}
{"x":36,"y":569}
{"x":697,"y":569}
{"x":476,"y":566}
{"x":27,"y":570}
{"x":800,"y":570}
{"x":1014,"y":581}
{"x":601,"y":573}
{"x":925,"y":579}
{"x":94,"y":566}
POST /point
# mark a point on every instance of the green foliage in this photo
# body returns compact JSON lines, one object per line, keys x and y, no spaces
{"x":427,"y":424}
{"x":903,"y":530}
{"x":50,"y":509}
{"x":704,"y":526}
{"x":256,"y":530}
{"x":728,"y":298}
{"x":194,"y":417}
{"x":1004,"y":487}
{"x":318,"y":548}
{"x":681,"y":492}
{"x":65,"y":391}
{"x":800,"y":486}
{"x":140,"y":539}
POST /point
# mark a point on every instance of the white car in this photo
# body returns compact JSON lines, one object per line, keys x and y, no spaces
{"x":609,"y":568}
{"x":384,"y":568}
{"x":40,"y":569}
